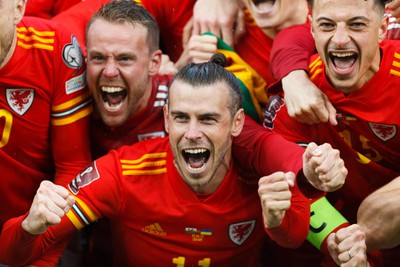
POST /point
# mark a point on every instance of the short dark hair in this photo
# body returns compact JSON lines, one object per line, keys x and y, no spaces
{"x":209,"y":73}
{"x":129,"y":11}
{"x":381,"y":4}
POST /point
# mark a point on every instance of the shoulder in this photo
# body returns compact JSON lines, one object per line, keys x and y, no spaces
{"x":45,"y":35}
{"x":316,"y":68}
{"x":142,"y":148}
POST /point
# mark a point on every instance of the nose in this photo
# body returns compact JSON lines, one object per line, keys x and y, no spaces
{"x":110,"y":70}
{"x":193,"y":131}
{"x":341,"y":36}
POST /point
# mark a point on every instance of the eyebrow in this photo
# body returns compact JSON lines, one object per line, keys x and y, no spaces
{"x":352,"y":19}
{"x":208,"y":114}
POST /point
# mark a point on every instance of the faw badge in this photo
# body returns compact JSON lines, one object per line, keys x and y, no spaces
{"x":384,"y":132}
{"x":239,"y":232}
{"x":20,"y":100}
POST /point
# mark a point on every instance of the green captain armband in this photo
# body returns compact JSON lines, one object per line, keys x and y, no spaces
{"x":324,"y":218}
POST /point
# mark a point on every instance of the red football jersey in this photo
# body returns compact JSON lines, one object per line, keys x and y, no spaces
{"x":293,"y":46}
{"x":147,"y":124}
{"x":366,"y":134}
{"x":159,"y":221}
{"x":48,"y":8}
{"x":172,"y":16}
{"x":44,"y":109}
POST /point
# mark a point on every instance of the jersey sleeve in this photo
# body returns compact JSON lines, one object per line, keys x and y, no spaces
{"x":19,"y":248}
{"x":70,"y":108}
{"x":291,"y":50}
{"x":98,"y":191}
{"x":60,"y":6}
{"x":293,"y":230}
{"x":261,"y":152}
{"x":77,"y":16}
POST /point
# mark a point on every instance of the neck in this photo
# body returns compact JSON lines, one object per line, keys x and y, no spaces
{"x":299,"y":17}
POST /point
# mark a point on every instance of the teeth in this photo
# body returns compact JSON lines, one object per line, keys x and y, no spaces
{"x":195,"y":151}
{"x":342,"y":54}
{"x":112,"y":89}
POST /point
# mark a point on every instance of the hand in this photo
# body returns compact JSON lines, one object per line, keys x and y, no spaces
{"x":347,"y":247}
{"x":275,"y":196}
{"x":323,"y":167}
{"x":223,"y":18}
{"x":50,"y":204}
{"x":199,"y":49}
{"x":305,"y":102}
{"x":394,"y":7}
{"x":167,"y":67}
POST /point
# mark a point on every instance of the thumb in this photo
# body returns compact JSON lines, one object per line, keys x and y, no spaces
{"x":313,"y":150}
{"x":331,"y":110}
{"x":70,"y":202}
{"x":290,"y":178}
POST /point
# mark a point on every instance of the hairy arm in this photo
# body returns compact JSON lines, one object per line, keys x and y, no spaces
{"x":379,"y":217}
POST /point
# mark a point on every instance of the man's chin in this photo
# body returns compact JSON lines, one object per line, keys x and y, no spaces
{"x":113,"y":121}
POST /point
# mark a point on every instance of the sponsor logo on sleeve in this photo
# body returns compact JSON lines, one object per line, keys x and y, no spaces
{"x":20,"y":99}
{"x":72,"y":54}
{"x":147,"y":136}
{"x":270,"y":111}
{"x":75,"y":84}
{"x":84,"y":178}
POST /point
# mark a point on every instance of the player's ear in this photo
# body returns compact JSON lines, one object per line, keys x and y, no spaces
{"x":310,"y":19}
{"x":238,"y":122}
{"x":19,"y":10}
{"x":155,"y":62}
{"x":165,"y":109}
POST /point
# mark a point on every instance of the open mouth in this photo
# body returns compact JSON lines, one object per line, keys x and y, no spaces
{"x":113,"y":97}
{"x":196,"y":159}
{"x":263,"y":5}
{"x":256,"y":2}
{"x":343,"y":60}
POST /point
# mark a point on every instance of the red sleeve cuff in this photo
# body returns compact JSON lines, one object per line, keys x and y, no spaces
{"x":308,"y":190}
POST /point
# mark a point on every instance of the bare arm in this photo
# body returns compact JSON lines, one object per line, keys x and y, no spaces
{"x":379,"y":217}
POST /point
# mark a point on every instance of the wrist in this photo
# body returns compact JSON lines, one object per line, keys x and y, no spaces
{"x":293,"y":76}
{"x":306,"y":188}
{"x":324,"y":220}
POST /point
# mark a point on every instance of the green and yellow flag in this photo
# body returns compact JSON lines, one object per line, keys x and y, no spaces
{"x":253,"y":85}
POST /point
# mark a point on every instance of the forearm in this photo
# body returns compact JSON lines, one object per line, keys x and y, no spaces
{"x":19,"y":248}
{"x":379,"y":217}
{"x":294,"y":228}
{"x":291,"y":50}
{"x":16,"y":245}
